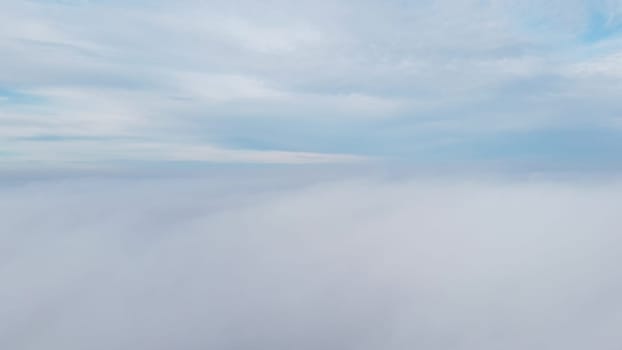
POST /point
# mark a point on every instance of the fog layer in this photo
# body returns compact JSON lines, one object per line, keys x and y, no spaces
{"x":190,"y":263}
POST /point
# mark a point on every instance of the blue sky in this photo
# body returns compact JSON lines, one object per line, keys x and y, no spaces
{"x":422,"y":82}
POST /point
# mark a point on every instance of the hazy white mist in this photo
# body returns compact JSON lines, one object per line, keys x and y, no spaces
{"x":348,"y":263}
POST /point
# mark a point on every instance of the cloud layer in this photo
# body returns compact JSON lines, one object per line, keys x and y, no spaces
{"x":243,"y":261}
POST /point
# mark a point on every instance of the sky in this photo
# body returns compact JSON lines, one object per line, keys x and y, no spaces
{"x":335,"y":175}
{"x":429,"y":83}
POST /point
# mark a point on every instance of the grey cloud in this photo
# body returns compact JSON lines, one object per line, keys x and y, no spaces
{"x":252,"y":260}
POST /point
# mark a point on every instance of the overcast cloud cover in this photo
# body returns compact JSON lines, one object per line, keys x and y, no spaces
{"x":369,"y":175}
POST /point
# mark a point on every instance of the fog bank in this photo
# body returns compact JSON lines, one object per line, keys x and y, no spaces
{"x":228,"y":263}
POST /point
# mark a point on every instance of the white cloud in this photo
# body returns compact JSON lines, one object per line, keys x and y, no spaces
{"x":266,"y":260}
{"x":606,"y":66}
{"x":224,"y":88}
{"x":95,"y":150}
{"x":269,"y":40}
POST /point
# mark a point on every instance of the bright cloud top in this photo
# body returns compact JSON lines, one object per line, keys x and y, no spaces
{"x":321,"y":81}
{"x":343,"y":264}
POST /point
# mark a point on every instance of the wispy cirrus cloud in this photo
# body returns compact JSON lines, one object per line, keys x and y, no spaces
{"x":192,"y":72}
